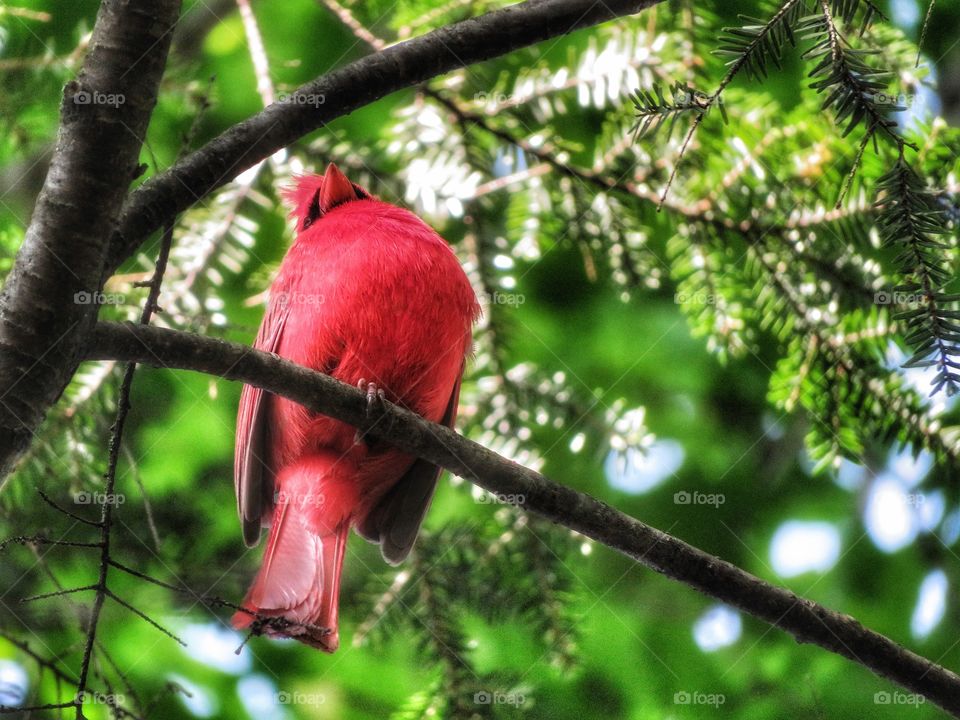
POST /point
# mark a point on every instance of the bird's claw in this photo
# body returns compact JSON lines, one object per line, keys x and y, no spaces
{"x":376,"y":400}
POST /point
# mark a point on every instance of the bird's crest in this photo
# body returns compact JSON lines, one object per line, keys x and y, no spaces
{"x":313,"y":196}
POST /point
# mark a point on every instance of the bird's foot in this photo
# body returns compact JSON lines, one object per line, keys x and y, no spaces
{"x":375,"y":398}
{"x":376,"y":405}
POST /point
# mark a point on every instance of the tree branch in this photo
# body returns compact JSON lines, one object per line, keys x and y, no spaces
{"x":344,"y":90}
{"x":48,"y":301}
{"x":807,"y":621}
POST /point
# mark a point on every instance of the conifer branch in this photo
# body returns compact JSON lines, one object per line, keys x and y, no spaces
{"x":923,"y":30}
{"x":854,"y":88}
{"x":911,"y":217}
{"x":752,"y":47}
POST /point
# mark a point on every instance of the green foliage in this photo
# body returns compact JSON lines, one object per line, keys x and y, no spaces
{"x":854,"y":90}
{"x":910,"y":219}
{"x":654,"y":110}
{"x":751,"y":47}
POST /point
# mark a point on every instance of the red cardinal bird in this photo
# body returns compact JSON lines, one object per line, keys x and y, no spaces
{"x":371,"y":295}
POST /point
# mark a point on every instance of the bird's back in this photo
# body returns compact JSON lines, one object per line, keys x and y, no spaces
{"x":373,"y":294}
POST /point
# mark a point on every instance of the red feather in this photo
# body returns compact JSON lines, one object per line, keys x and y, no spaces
{"x":367,"y":292}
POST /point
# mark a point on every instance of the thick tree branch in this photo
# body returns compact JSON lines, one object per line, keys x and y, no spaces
{"x":807,"y":621}
{"x":48,"y":301}
{"x":344,"y":90}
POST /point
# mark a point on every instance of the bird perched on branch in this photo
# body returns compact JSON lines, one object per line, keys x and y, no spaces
{"x":373,"y":296}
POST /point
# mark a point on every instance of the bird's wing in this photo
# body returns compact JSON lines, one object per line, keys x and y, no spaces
{"x":252,"y":466}
{"x":395,"y":521}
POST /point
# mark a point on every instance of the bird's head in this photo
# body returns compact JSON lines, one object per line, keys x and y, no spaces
{"x":313,"y":196}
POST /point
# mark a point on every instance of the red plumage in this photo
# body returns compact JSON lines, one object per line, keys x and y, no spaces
{"x":368,"y":292}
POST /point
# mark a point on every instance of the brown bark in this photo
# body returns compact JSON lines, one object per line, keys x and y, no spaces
{"x":48,"y":301}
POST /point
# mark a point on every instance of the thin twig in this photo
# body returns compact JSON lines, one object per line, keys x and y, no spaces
{"x":858,"y":158}
{"x":66,"y":512}
{"x":210,"y":601}
{"x":4,"y":710}
{"x":39,"y":659}
{"x":147,"y":505}
{"x":42,"y":540}
{"x":258,"y":54}
{"x":58,"y":593}
{"x":142,"y":615}
{"x":359,"y":31}
{"x":923,"y":30}
{"x":106,"y":514}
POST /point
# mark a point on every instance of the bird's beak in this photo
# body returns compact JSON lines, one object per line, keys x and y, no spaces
{"x":336,"y":189}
